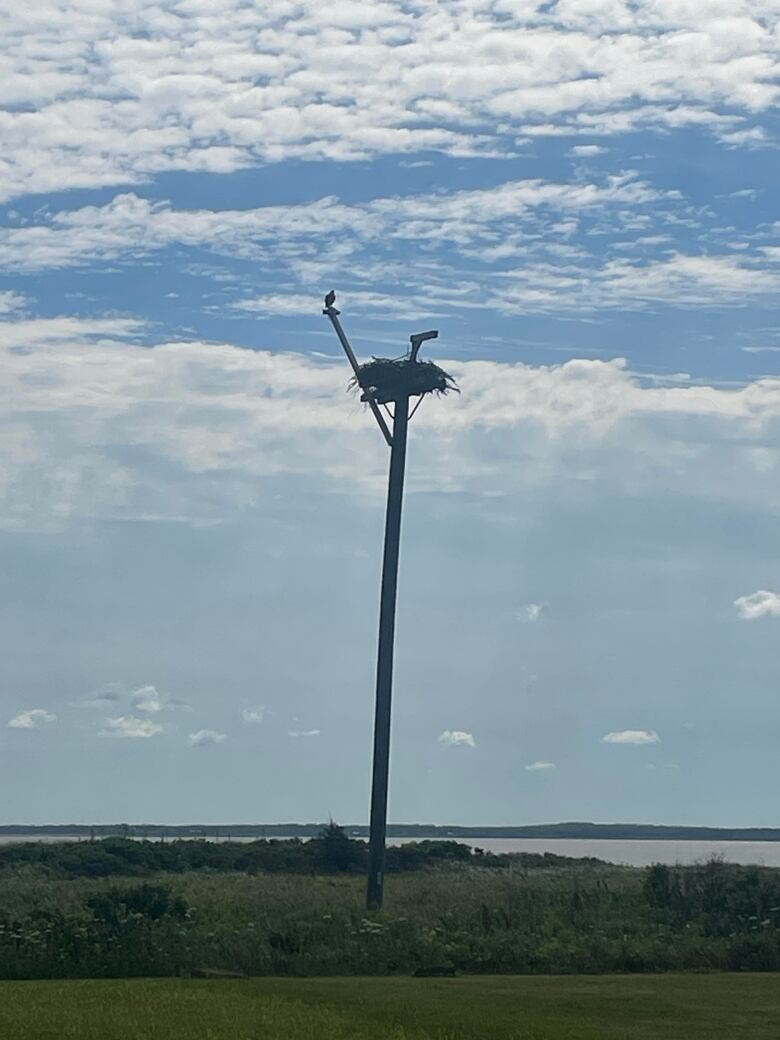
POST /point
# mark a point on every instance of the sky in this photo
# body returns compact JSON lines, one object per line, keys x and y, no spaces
{"x":581,"y":196}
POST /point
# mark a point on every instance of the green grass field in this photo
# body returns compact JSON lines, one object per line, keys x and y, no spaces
{"x":649,"y":1007}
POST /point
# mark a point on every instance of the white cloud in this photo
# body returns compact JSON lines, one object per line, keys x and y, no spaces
{"x":253,"y":716}
{"x":130,"y":727}
{"x":147,"y":699}
{"x":539,"y":767}
{"x":632,"y":736}
{"x":457,"y":738}
{"x":754,"y":136}
{"x":690,"y":280}
{"x":530,"y":613}
{"x":758,"y":604}
{"x":33,"y":718}
{"x":11,"y":301}
{"x":113,"y":93}
{"x":20,"y":335}
{"x":303,"y":733}
{"x":205,"y":737}
{"x":585,"y":150}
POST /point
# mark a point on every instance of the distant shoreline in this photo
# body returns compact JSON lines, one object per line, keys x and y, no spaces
{"x":548,"y":831}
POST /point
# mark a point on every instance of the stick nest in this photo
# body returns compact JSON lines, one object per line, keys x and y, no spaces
{"x":384,"y":380}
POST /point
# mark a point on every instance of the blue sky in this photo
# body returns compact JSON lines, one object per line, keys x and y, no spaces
{"x":581,"y":196}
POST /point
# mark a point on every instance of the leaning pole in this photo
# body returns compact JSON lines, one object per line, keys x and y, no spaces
{"x":384,"y":663}
{"x":383,"y":382}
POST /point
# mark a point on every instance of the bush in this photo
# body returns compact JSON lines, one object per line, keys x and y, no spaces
{"x":152,"y":902}
{"x":722,"y":898}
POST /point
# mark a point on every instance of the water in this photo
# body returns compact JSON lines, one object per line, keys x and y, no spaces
{"x":635,"y":853}
{"x":630,"y":853}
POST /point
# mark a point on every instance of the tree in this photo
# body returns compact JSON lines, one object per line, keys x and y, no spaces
{"x":335,"y":851}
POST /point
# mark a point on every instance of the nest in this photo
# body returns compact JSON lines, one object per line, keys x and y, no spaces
{"x":383,"y":380}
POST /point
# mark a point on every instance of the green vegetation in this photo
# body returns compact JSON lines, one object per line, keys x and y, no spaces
{"x":331,"y":851}
{"x":698,"y":1007}
{"x":120,"y":908}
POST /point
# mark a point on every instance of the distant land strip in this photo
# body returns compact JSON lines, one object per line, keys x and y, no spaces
{"x":581,"y":831}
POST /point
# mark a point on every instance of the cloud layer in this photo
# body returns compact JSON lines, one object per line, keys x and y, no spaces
{"x":159,"y":85}
{"x":96,"y":426}
{"x":607,"y":242}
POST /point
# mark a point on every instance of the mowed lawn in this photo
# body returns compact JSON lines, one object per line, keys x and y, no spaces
{"x":637,"y":1007}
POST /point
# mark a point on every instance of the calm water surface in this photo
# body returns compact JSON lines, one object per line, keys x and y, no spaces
{"x":636,"y":853}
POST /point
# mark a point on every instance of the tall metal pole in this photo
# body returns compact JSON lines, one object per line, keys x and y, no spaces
{"x":440,"y":381}
{"x":384,"y":667}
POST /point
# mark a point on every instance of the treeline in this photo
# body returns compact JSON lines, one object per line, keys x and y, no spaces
{"x":570,"y":830}
{"x":332,"y":851}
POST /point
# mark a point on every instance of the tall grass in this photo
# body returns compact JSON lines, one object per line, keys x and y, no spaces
{"x":559,"y":920}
